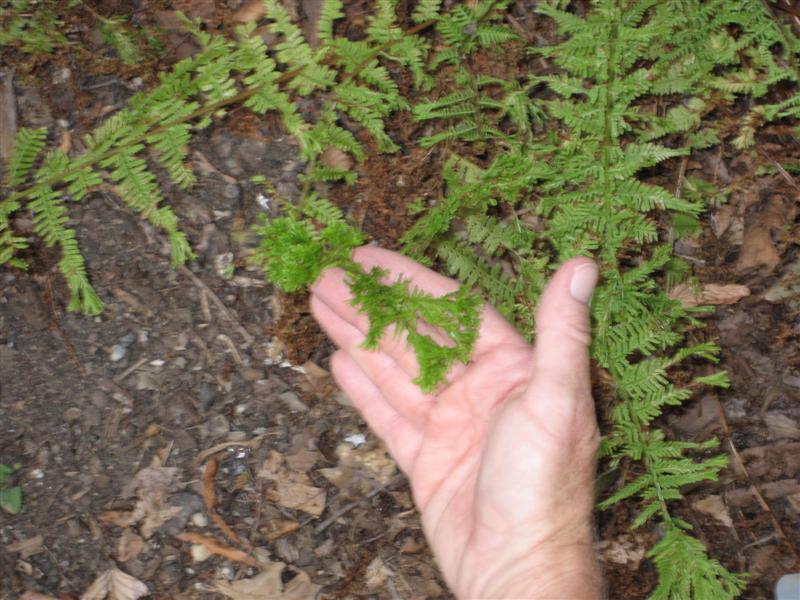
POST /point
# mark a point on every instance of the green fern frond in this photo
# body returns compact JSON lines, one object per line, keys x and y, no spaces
{"x":28,"y":145}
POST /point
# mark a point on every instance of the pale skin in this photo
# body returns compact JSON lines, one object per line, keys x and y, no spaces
{"x":501,"y":459}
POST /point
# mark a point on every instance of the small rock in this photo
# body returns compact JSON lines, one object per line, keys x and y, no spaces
{"x":72,"y":414}
{"x":199,"y":520}
{"x":231,"y":191}
{"x":357,"y":439}
{"x":189,"y":504}
{"x":199,"y":553}
{"x":117,"y":353}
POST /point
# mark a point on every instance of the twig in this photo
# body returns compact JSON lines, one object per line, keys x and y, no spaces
{"x":249,"y":339}
{"x":350,"y":506}
{"x":210,"y":500}
{"x":8,"y":115}
{"x":121,"y":377}
{"x":205,"y":454}
{"x":753,"y":487}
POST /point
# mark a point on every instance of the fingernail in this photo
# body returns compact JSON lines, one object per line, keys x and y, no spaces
{"x":584,"y":278}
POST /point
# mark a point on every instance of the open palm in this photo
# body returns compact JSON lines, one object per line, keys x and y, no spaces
{"x":501,"y":459}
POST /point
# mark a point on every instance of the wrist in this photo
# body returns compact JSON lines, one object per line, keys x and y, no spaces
{"x":559,"y":573}
{"x":573,"y":575}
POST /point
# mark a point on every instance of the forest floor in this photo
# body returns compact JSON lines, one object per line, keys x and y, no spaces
{"x":194,"y":425}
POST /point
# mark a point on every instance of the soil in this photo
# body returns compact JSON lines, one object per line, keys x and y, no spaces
{"x":198,"y":405}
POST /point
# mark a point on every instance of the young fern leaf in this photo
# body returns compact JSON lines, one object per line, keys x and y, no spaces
{"x":294,"y":252}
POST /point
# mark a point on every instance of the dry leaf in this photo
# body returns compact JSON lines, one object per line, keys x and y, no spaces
{"x":219,"y":548}
{"x":711,"y":293}
{"x":715,"y":507}
{"x":118,"y":518}
{"x":377,"y":573}
{"x":319,"y":380}
{"x":277,"y":528}
{"x":153,"y":485}
{"x":758,"y":250}
{"x":27,"y":547}
{"x":336,"y":159}
{"x":35,"y":596}
{"x":249,"y":11}
{"x":269,"y":586}
{"x":115,"y":585}
{"x":623,"y":550}
{"x":210,"y":499}
{"x":782,"y":427}
{"x":298,"y":496}
{"x":130,"y":546}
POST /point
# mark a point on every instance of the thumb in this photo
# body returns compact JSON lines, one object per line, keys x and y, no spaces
{"x":563,"y":332}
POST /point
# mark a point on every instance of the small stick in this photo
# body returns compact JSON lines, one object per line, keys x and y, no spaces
{"x":249,"y":339}
{"x":121,"y":377}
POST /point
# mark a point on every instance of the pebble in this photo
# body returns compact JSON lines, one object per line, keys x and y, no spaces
{"x":199,"y":520}
{"x":231,"y":191}
{"x":199,"y":553}
{"x":72,"y":414}
{"x":118,"y":352}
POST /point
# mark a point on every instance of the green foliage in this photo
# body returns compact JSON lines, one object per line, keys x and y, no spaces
{"x":157,"y":126}
{"x":685,"y":571}
{"x":575,"y":160}
{"x":116,"y":34}
{"x":537,"y":169}
{"x":31,"y":27}
{"x":294,"y":251}
{"x":10,"y":495}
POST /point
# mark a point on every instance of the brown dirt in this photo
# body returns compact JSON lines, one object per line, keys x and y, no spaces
{"x":164,"y":375}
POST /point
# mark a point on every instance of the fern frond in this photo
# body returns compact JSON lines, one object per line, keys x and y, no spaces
{"x":28,"y":145}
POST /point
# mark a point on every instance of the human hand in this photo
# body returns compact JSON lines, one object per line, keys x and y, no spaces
{"x":501,"y":459}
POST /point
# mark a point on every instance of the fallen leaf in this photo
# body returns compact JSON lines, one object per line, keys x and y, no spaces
{"x":268,"y":585}
{"x":118,"y":518}
{"x":758,"y":250}
{"x":249,"y":11}
{"x":766,"y":227}
{"x":714,"y":506}
{"x":319,"y":380}
{"x":152,"y":485}
{"x":27,"y":547}
{"x":115,"y":585}
{"x":710,"y":293}
{"x":130,"y":546}
{"x":625,"y":549}
{"x":277,"y":528}
{"x":219,"y":548}
{"x":337,"y":159}
{"x":210,"y":499}
{"x":35,"y":596}
{"x":298,"y":496}
{"x":377,"y":573}
{"x":782,"y":427}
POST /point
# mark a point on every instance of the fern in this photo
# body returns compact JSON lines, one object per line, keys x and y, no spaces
{"x":294,"y":252}
{"x":537,"y":169}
